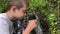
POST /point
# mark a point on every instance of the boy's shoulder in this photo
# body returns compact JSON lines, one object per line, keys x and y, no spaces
{"x":2,"y":15}
{"x":3,"y":18}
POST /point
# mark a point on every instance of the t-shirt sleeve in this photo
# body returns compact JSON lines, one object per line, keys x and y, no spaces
{"x":4,"y":27}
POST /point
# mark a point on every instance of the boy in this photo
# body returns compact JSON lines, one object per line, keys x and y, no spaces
{"x":15,"y":9}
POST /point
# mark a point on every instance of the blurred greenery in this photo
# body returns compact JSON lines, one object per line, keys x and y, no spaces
{"x":48,"y":9}
{"x":3,"y":4}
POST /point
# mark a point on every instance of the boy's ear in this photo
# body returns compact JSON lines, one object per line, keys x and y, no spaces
{"x":13,"y":8}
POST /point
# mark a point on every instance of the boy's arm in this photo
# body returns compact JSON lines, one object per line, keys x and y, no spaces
{"x":30,"y":27}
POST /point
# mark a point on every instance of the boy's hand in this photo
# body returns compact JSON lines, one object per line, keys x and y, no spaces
{"x":31,"y":25}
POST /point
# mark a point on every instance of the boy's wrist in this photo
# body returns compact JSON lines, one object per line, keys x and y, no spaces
{"x":27,"y":30}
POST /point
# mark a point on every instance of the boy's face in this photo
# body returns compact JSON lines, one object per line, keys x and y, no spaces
{"x":20,"y":13}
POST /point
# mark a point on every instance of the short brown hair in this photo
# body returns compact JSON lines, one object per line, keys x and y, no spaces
{"x":17,"y":3}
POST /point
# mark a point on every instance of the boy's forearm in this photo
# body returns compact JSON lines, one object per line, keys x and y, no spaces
{"x":27,"y":30}
{"x":31,"y":25}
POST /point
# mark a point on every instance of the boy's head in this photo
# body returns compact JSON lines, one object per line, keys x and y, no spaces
{"x":17,"y":7}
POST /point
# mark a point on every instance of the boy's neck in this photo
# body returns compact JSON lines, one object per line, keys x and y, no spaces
{"x":9,"y":14}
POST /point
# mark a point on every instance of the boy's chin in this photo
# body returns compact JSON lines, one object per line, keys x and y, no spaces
{"x":20,"y":18}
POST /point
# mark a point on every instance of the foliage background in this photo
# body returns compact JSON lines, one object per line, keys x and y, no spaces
{"x":49,"y":11}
